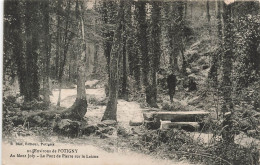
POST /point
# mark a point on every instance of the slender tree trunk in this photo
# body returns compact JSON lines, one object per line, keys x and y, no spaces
{"x":191,"y":9}
{"x":213,"y":74}
{"x":124,"y":81}
{"x":58,"y":52}
{"x":63,"y":56}
{"x":155,"y":50}
{"x":208,"y":17}
{"x":208,"y":14}
{"x":47,"y":45}
{"x":95,"y":69}
{"x":111,"y":109}
{"x":58,"y":39}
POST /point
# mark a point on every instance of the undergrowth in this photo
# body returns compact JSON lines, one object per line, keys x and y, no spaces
{"x":178,"y":144}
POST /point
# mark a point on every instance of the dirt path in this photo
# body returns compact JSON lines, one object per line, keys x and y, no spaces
{"x":126,"y":110}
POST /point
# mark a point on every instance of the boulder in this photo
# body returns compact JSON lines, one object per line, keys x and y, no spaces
{"x":89,"y":129}
{"x":155,"y":124}
{"x":107,"y":130}
{"x":148,"y":116}
{"x":107,"y":123}
{"x":67,"y":128}
{"x":122,"y":131}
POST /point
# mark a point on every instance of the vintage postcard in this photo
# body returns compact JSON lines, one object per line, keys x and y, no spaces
{"x":131,"y":82}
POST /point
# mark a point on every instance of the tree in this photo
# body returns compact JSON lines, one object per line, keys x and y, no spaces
{"x":47,"y":46}
{"x":111,"y":109}
{"x":227,"y":106}
{"x":155,"y":50}
{"x":66,"y":38}
{"x":142,"y":36}
{"x":32,"y":50}
{"x":13,"y":9}
{"x":208,"y":14}
{"x":108,"y":12}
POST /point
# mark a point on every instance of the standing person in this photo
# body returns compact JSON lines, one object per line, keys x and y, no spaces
{"x":172,"y":82}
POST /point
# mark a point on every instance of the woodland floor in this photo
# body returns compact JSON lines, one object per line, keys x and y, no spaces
{"x":114,"y":149}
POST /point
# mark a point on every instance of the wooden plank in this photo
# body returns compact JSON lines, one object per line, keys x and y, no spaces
{"x":181,"y":116}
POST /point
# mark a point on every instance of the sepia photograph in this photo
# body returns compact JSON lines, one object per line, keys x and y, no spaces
{"x":131,"y":82}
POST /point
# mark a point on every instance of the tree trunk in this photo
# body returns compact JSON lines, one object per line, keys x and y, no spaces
{"x":213,"y":74}
{"x":95,"y":69}
{"x":155,"y":50}
{"x":32,"y":45}
{"x":124,"y":93}
{"x":108,"y":18}
{"x":227,"y":107}
{"x":208,"y":15}
{"x":142,"y":38}
{"x":124,"y":81}
{"x":16,"y":38}
{"x":58,"y":40}
{"x":47,"y":45}
{"x":63,"y":58}
{"x":111,"y":109}
{"x":78,"y":110}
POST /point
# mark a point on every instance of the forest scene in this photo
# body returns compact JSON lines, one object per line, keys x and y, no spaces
{"x":152,"y":82}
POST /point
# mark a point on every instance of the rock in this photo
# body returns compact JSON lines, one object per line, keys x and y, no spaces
{"x":103,"y":136}
{"x":135,"y":123}
{"x":122,"y":131}
{"x":109,"y":122}
{"x":37,"y":119}
{"x":155,"y":124}
{"x":67,"y":127}
{"x":107,"y":130}
{"x":252,"y":132}
{"x":194,"y":101}
{"x":148,"y":116}
{"x":101,"y":125}
{"x":98,"y":132}
{"x":205,"y":67}
{"x":188,"y":126}
{"x":89,"y":129}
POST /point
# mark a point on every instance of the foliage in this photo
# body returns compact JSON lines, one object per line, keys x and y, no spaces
{"x":247,"y":55}
{"x":179,"y":144}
